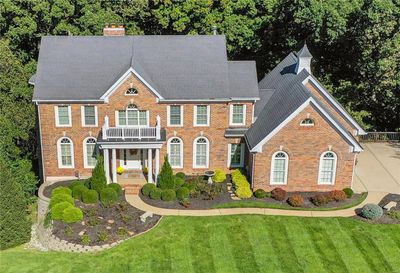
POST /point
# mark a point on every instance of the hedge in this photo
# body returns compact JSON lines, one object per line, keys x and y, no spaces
{"x":61,"y":190}
{"x":108,"y":196}
{"x":78,"y":190}
{"x":58,"y":210}
{"x":220,"y":176}
{"x":90,"y":197}
{"x":116,"y":187}
{"x":58,"y":198}
{"x":72,"y":215}
{"x":147,"y":188}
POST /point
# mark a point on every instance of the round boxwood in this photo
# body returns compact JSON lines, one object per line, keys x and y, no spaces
{"x":349,"y":192}
{"x":72,"y":215}
{"x":372,"y":211}
{"x":116,"y":187}
{"x":178,"y":182}
{"x":260,"y":193}
{"x":182,"y":193}
{"x":61,"y":190}
{"x":147,"y":188}
{"x":168,"y":195}
{"x":90,"y":197}
{"x":181,"y":175}
{"x":78,"y":190}
{"x":58,"y":209}
{"x":58,"y":198}
{"x":108,"y":196}
{"x":155,"y":194}
{"x":76,"y":183}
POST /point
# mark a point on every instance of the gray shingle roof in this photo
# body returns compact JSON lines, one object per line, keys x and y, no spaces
{"x":177,"y":67}
{"x":304,"y":52}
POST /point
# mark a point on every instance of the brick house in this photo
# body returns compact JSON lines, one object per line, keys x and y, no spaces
{"x":135,"y":99}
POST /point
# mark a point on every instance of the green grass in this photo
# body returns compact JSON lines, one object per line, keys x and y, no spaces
{"x":232,"y":244}
{"x":261,"y":204}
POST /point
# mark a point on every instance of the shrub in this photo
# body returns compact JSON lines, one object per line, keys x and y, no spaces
{"x":61,"y":190}
{"x":236,"y":173}
{"x":296,"y":200}
{"x":260,"y":193}
{"x":155,"y":194}
{"x":98,"y":180}
{"x":72,"y":215}
{"x":349,"y":192}
{"x":394,"y":214}
{"x":190,"y":185}
{"x":371,"y":211}
{"x":78,"y":190}
{"x":75,"y":183}
{"x":166,"y":176}
{"x":178,"y":182}
{"x":337,"y":195}
{"x":320,"y":199}
{"x":58,"y":198}
{"x":58,"y":209}
{"x":108,"y":197}
{"x":182,"y":193}
{"x":90,"y":197}
{"x":220,"y":176}
{"x":244,"y":192}
{"x":116,"y":187}
{"x":278,"y":194}
{"x":85,"y":240}
{"x":181,"y":175}
{"x":185,"y":202}
{"x":168,"y":195}
{"x":147,"y":188}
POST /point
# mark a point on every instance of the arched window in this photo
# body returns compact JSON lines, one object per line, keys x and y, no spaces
{"x":175,"y":152}
{"x":131,"y":91}
{"x":65,"y":151}
{"x":89,"y":152}
{"x":279,"y":168}
{"x":132,"y":116}
{"x":327,"y":168}
{"x":307,"y":122}
{"x":201,"y":152}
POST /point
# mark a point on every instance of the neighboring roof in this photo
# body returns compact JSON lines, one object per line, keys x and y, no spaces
{"x":304,"y":52}
{"x":235,"y":132}
{"x":176,"y":66}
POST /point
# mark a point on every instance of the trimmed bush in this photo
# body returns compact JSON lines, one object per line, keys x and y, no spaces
{"x":76,"y":183}
{"x":181,"y":175}
{"x":166,"y":176}
{"x":61,"y":190}
{"x":98,"y":180}
{"x":147,"y":188}
{"x":244,"y":192}
{"x":58,"y":210}
{"x":320,"y":199}
{"x":296,"y":200}
{"x":58,"y":198}
{"x":90,"y":197}
{"x":78,"y":190}
{"x":349,"y":192}
{"x":278,"y":194}
{"x":116,"y":187}
{"x":108,"y":197}
{"x":236,"y":173}
{"x":337,"y":195}
{"x":182,"y":193}
{"x":72,"y":215}
{"x":168,"y":195}
{"x":178,"y":182}
{"x":260,"y":193}
{"x":372,"y":211}
{"x":155,"y":194}
{"x":220,"y":176}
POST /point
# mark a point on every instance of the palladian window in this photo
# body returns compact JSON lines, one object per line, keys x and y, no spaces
{"x":132,"y":116}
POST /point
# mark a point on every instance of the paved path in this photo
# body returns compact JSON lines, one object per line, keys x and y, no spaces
{"x":134,"y":200}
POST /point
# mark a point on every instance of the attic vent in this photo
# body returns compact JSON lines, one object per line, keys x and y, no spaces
{"x":131,"y":91}
{"x":307,"y":122}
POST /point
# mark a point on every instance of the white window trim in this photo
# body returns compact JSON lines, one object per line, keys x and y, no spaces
{"x":195,"y":166}
{"x":320,"y":169}
{"x":69,"y":116}
{"x":271,"y":181}
{"x":85,"y":163}
{"x":117,"y":119}
{"x":195,"y":116}
{"x":181,"y":152}
{"x":169,"y":117}
{"x":60,"y":165}
{"x":241,"y":164}
{"x":231,"y":114}
{"x":83,"y":116}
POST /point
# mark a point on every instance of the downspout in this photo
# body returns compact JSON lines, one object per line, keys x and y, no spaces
{"x":253,"y":155}
{"x":354,"y":167}
{"x":41,"y":144}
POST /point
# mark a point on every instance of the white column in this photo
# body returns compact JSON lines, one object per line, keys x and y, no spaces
{"x":157,"y":164}
{"x":107,"y":165}
{"x":149,"y":166}
{"x":114,"y":165}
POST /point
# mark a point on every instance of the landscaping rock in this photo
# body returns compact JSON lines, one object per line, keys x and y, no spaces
{"x":108,"y":227}
{"x":83,"y":223}
{"x":110,"y":221}
{"x":390,"y":205}
{"x":82,"y":232}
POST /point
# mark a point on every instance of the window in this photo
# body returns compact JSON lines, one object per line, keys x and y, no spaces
{"x":132,"y":117}
{"x":307,"y":122}
{"x":131,"y":91}
{"x":63,"y":115}
{"x":175,"y":152}
{"x":175,"y":115}
{"x":236,"y":155}
{"x":201,"y":115}
{"x":200,"y":153}
{"x":327,"y":168}
{"x":89,"y":115}
{"x":65,"y":150}
{"x":89,"y":152}
{"x":238,"y":114}
{"x":279,"y":168}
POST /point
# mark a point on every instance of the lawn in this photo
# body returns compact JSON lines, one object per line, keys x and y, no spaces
{"x":246,"y":243}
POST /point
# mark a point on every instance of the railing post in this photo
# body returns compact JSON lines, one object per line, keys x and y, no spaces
{"x":158,"y":127}
{"x":105,"y":127}
{"x":123,"y":133}
{"x":140,"y":135}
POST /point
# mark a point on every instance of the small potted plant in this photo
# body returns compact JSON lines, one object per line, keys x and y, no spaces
{"x":120,"y":170}
{"x":145,"y":171}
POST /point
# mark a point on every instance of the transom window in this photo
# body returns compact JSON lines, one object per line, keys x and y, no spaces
{"x":65,"y":153}
{"x":63,"y":115}
{"x":89,"y":115}
{"x":327,"y":168}
{"x":201,"y":115}
{"x":132,"y":117}
{"x":131,"y":91}
{"x":236,"y":155}
{"x":279,"y":168}
{"x":307,"y":122}
{"x":238,"y":115}
{"x":90,"y":152}
{"x":175,"y":152}
{"x":201,"y":153}
{"x":175,"y":115}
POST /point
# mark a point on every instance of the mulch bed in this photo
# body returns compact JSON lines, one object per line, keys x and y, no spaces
{"x":385,"y":219}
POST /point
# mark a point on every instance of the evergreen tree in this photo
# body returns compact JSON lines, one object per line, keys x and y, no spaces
{"x":98,"y":180}
{"x":166,"y":175}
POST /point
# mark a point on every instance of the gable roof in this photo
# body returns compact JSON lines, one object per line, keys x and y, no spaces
{"x":175,"y":66}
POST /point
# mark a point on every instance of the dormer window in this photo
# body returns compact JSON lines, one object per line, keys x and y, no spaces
{"x":307,"y":122}
{"x":131,"y":92}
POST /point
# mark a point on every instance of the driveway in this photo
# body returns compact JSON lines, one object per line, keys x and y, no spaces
{"x":378,"y":168}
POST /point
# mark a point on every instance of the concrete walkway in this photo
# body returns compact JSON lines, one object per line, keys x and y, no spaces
{"x":134,"y":200}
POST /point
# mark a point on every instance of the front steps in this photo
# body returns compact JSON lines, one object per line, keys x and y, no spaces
{"x":132,"y":189}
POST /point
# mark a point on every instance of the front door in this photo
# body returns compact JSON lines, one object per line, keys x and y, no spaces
{"x":131,"y":159}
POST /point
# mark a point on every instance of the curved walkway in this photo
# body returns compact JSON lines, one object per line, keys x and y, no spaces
{"x":134,"y":200}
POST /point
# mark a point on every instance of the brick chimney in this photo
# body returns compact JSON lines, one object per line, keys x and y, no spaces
{"x":113,"y":30}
